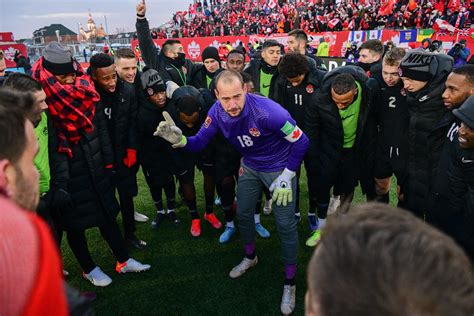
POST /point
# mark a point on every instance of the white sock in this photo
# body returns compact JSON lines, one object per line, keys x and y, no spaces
{"x":169,"y":211}
{"x":298,"y":214}
{"x":257,"y":218}
{"x":321,"y":223}
{"x":230,"y":224}
{"x":160,"y":212}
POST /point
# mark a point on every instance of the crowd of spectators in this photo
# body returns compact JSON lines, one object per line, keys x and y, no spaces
{"x":265,"y":17}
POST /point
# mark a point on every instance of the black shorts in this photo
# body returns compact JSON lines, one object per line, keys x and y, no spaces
{"x":388,"y":161}
{"x":185,"y":162}
{"x":227,"y":160}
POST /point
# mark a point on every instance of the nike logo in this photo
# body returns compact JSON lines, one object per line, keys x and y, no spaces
{"x":168,"y":68}
{"x":466,"y":160}
{"x":265,"y":86}
{"x":347,"y":116}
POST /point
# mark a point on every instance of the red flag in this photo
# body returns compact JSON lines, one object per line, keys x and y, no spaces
{"x":387,"y":7}
{"x":443,"y":25}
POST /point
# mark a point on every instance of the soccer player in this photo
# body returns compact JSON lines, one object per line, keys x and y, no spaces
{"x":391,"y":111}
{"x":272,"y":146}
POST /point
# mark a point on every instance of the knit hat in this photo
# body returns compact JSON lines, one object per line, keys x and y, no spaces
{"x":152,"y":82}
{"x":466,"y":112}
{"x":57,"y":59}
{"x":416,"y":65}
{"x":210,"y":52}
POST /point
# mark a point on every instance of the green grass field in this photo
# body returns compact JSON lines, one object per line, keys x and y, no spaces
{"x":189,"y":276}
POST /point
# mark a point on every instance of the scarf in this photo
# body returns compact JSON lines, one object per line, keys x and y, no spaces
{"x":72,"y":107}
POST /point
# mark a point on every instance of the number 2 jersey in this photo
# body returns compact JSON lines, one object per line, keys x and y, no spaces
{"x":264,"y":133}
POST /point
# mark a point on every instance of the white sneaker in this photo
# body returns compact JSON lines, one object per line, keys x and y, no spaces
{"x":139,"y":217}
{"x":131,"y":265}
{"x":288,"y":299}
{"x":242,"y":267}
{"x":334,"y":204}
{"x":267,"y":209}
{"x":97,"y":277}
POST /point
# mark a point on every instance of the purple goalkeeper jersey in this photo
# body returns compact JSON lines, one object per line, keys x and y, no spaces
{"x":264,"y":133}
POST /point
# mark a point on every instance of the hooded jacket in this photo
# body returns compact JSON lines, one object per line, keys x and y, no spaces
{"x":426,"y":133}
{"x":324,"y":129}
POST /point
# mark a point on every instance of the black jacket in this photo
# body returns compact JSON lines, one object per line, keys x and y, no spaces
{"x":154,"y":152}
{"x":324,"y":129}
{"x":310,"y":85}
{"x":160,"y":62}
{"x":120,"y":112}
{"x":426,"y":135}
{"x":459,"y":222}
{"x":86,"y":179}
{"x":200,"y":80}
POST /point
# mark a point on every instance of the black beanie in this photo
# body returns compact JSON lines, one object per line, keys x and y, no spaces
{"x":416,"y":65}
{"x":210,"y":52}
{"x":466,"y":112}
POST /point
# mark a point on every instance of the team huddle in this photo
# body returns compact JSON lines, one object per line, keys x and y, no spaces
{"x":248,"y":128}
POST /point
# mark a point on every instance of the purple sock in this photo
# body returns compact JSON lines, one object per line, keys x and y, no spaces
{"x":290,"y":271}
{"x":250,"y":250}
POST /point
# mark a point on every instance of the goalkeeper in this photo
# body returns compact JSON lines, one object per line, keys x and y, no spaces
{"x":272,"y":147}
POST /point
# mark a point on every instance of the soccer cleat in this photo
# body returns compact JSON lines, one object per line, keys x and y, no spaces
{"x":97,"y":277}
{"x":217,"y":201}
{"x":314,"y":238}
{"x":334,"y":204}
{"x":196,"y":227}
{"x":287,"y":305}
{"x":242,"y":267}
{"x":227,"y":234}
{"x":267,"y":209}
{"x":139,"y":217}
{"x":262,"y":231}
{"x":131,"y":265}
{"x":135,"y":242}
{"x":212,"y":219}
{"x":172,"y":217}
{"x":313,"y":222}
{"x":159,"y":219}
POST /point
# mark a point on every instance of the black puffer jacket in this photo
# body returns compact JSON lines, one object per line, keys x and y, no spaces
{"x":154,"y":152}
{"x":86,"y":179}
{"x":120,"y":112}
{"x":160,"y":62}
{"x":426,"y":133}
{"x":324,"y":129}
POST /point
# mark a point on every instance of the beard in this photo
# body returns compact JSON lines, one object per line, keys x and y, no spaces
{"x":27,"y":194}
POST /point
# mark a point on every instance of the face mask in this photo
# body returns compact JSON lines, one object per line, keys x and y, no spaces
{"x":365,"y":66}
{"x":178,"y":61}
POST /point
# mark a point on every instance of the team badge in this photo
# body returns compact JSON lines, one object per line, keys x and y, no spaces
{"x":400,"y":72}
{"x":310,"y":88}
{"x":241,"y":171}
{"x":184,"y":69}
{"x":254,"y":132}
{"x":403,"y":92}
{"x":207,"y":122}
{"x":150,"y":91}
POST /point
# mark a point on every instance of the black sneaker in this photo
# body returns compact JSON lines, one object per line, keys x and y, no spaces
{"x":160,"y":217}
{"x":135,"y":242}
{"x":172,"y":217}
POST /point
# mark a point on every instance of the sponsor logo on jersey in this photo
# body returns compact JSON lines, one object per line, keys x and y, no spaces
{"x":254,"y":132}
{"x":207,"y":122}
{"x":265,"y":85}
{"x":310,"y":88}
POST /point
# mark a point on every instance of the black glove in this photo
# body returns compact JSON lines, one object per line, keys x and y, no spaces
{"x":61,"y":199}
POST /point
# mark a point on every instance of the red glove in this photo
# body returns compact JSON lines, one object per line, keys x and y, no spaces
{"x":109,"y":166}
{"x":131,"y":158}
